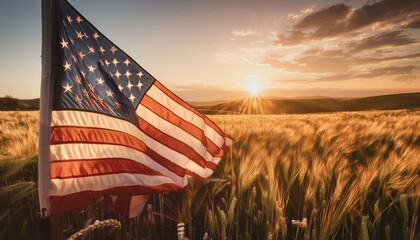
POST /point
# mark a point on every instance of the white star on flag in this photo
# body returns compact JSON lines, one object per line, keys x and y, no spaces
{"x":67,"y":88}
{"x":100,"y":81}
{"x":115,"y":62}
{"x":80,"y":34}
{"x":129,"y":85}
{"x":109,"y":93}
{"x":64,"y":44}
{"x":66,"y":66}
{"x":132,"y":97}
{"x":91,"y":69}
{"x":117,"y":74}
{"x":78,"y":19}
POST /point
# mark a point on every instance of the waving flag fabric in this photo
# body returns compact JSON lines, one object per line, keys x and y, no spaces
{"x":109,"y":128}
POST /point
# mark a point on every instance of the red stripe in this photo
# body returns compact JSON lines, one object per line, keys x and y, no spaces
{"x":66,"y":134}
{"x":172,"y":143}
{"x":94,"y":167}
{"x":61,"y":204}
{"x":189,"y":107}
{"x":190,"y":128}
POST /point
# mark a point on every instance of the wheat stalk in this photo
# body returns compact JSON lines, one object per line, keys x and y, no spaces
{"x":98,"y":224}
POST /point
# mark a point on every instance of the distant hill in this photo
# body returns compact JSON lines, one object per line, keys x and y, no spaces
{"x":313,"y":105}
{"x":9,"y":103}
{"x":273,"y":105}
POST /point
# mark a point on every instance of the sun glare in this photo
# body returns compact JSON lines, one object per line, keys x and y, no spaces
{"x":254,"y":88}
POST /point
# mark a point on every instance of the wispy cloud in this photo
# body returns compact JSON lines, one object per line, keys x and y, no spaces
{"x":414,"y":23}
{"x":301,"y":14}
{"x":403,"y":74}
{"x":387,"y":39}
{"x":242,"y":33}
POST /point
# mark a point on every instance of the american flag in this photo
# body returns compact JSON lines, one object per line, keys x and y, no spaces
{"x":114,"y":130}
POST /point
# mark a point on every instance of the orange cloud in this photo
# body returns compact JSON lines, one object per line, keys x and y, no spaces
{"x":394,"y":38}
{"x":340,"y":19}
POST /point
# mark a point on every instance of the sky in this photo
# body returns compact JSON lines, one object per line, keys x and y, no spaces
{"x":227,"y":49}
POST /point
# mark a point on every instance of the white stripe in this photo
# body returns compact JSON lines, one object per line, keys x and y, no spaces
{"x":64,"y":152}
{"x":60,"y":187}
{"x":174,"y":131}
{"x":88,"y":119}
{"x":156,"y":94}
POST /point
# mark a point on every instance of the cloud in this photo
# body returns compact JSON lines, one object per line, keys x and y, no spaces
{"x":407,"y":78}
{"x":336,"y":92}
{"x":415,"y":23}
{"x":382,"y":11}
{"x":332,"y":61}
{"x":387,"y":71}
{"x":311,"y":63}
{"x":225,"y":57}
{"x":242,"y":33}
{"x":328,"y":78}
{"x":404,"y":73}
{"x":292,"y":37}
{"x":328,"y":52}
{"x":325,"y":18}
{"x":341,"y":19}
{"x":394,"y":38}
{"x":384,"y":59}
{"x":297,"y":16}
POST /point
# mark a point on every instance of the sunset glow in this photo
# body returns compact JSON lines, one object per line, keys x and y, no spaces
{"x":206,"y":50}
{"x":254,"y":88}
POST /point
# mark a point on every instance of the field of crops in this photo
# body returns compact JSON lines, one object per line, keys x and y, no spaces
{"x":318,"y":176}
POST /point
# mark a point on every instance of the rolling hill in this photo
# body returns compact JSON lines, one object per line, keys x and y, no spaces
{"x":9,"y":103}
{"x":313,"y":105}
{"x":274,"y":105}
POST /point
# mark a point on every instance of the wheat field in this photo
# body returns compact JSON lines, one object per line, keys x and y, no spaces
{"x":348,"y":175}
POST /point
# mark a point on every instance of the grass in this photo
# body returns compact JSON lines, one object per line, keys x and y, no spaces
{"x":335,"y":176}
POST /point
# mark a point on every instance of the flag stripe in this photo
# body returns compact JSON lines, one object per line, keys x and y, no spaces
{"x":102,"y":182}
{"x":173,"y":131}
{"x":210,"y":127}
{"x":65,"y":152}
{"x":92,"y":167}
{"x":169,"y":116}
{"x":176,"y":145}
{"x":160,"y":94}
{"x":75,"y":134}
{"x":77,"y":200}
{"x":68,"y":135}
{"x":94,"y":120}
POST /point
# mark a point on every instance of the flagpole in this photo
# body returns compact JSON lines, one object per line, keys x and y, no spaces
{"x":48,"y":56}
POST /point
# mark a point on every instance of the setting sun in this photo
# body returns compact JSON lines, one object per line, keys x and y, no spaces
{"x":253,"y":86}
